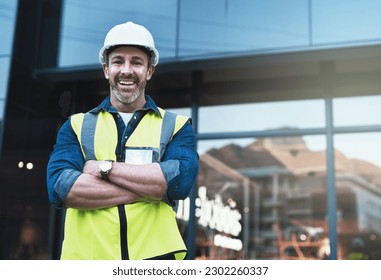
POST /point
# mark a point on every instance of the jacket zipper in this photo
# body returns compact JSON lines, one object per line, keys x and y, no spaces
{"x":123,"y":232}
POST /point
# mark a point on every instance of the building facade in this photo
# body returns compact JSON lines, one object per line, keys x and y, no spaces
{"x":284,"y":97}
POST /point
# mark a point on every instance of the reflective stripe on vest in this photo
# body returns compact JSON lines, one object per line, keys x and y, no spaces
{"x":100,"y":234}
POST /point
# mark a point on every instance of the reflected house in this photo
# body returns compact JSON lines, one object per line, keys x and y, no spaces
{"x":279,"y":187}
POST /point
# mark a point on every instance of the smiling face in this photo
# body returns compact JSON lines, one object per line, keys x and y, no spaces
{"x":128,"y":71}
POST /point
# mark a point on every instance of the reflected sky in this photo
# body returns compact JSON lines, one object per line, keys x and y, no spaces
{"x":357,"y":111}
{"x":7,"y":20}
{"x":7,"y":25}
{"x":199,"y":28}
{"x":262,"y":116}
{"x":360,"y":146}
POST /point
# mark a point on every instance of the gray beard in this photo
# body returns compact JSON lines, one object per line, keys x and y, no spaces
{"x":119,"y":95}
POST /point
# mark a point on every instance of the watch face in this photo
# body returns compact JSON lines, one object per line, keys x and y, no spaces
{"x":105,"y":166}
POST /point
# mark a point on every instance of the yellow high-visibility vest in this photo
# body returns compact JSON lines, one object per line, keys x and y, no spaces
{"x":135,"y":231}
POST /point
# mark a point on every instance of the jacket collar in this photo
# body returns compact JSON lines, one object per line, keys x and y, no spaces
{"x":107,"y":107}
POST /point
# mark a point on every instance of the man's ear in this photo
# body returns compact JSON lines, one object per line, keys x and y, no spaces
{"x":150,"y":72}
{"x":105,"y":71}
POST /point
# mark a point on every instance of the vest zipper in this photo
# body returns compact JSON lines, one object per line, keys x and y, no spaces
{"x":123,"y":232}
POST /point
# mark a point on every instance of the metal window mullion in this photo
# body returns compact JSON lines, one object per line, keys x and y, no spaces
{"x":331,"y":184}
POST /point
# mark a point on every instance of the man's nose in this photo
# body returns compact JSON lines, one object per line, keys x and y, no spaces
{"x":126,"y":68}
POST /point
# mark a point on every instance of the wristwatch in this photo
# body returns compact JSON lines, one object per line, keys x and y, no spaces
{"x":105,"y":168}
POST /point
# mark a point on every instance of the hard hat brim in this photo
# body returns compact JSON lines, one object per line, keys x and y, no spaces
{"x":152,"y":53}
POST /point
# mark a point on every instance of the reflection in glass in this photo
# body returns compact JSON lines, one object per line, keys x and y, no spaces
{"x":262,"y":116}
{"x":212,"y":27}
{"x":345,"y":21}
{"x":7,"y":23}
{"x":363,"y":147}
{"x":198,"y":28}
{"x":265,"y":199}
{"x":2,"y":109}
{"x":85,"y":24}
{"x":358,"y":183}
{"x":180,"y":111}
{"x":4,"y":77}
{"x":352,"y":111}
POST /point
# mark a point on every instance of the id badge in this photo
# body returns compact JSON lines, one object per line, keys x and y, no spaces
{"x":138,"y":156}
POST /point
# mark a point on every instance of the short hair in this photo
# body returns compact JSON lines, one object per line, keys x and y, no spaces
{"x":147,"y":51}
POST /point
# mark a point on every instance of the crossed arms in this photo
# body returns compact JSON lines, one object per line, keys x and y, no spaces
{"x":72,"y":182}
{"x":127,"y":184}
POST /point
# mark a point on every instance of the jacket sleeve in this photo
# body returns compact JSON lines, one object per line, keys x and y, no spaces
{"x":65,"y":165}
{"x":180,"y":163}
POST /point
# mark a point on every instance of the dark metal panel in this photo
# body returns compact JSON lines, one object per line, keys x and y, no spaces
{"x":31,"y":120}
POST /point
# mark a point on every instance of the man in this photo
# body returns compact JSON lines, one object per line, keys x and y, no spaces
{"x":120,"y":168}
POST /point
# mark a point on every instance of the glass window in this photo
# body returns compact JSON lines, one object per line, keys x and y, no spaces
{"x":360,"y":146}
{"x":358,"y":188}
{"x":273,"y":193}
{"x":262,"y":116}
{"x":206,"y":27}
{"x":7,"y":24}
{"x":210,"y":27}
{"x":2,"y":110}
{"x":181,"y":111}
{"x":352,"y":111}
{"x":4,"y":77}
{"x":345,"y":20}
{"x":86,"y":23}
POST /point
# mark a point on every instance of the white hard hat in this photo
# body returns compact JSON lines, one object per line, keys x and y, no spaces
{"x":129,"y":33}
